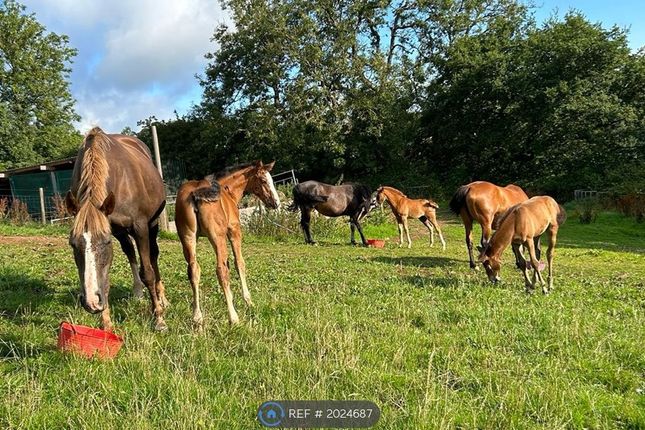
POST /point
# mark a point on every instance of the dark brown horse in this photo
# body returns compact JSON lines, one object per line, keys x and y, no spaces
{"x":352,"y":200}
{"x":116,"y":190}
{"x":522,"y":225}
{"x":482,"y":201}
{"x":403,"y":207}
{"x":209,"y":208}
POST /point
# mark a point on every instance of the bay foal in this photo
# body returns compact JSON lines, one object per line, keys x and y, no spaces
{"x":523,"y":224}
{"x":403,"y":207}
{"x":208,"y":207}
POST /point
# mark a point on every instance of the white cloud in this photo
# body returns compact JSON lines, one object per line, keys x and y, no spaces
{"x":135,"y":59}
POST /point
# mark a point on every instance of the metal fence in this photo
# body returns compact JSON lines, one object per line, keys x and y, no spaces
{"x":585,"y":194}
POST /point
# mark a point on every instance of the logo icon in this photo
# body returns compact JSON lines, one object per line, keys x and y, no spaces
{"x":270,"y":414}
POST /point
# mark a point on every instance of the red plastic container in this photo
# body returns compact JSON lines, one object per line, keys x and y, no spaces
{"x":376,"y":243}
{"x":88,"y":341}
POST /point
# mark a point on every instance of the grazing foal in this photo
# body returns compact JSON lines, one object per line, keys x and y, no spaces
{"x":523,"y":224}
{"x":209,"y":208}
{"x":403,"y":208}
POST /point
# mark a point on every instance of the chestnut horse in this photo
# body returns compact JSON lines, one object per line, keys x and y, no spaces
{"x":208,"y":207}
{"x":424,"y":210}
{"x":523,"y":224}
{"x":116,"y":190}
{"x":482,"y":201}
{"x":352,"y":200}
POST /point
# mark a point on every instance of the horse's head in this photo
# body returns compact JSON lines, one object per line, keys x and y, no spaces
{"x":492,"y":264}
{"x":380,"y":196}
{"x":261,"y":184}
{"x":91,"y":241}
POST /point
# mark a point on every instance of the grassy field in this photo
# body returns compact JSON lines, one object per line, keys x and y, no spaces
{"x":432,"y":343}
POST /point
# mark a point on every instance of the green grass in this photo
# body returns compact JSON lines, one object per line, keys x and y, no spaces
{"x":432,"y":343}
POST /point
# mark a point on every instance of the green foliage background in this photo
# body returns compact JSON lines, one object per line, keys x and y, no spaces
{"x":418,"y":92}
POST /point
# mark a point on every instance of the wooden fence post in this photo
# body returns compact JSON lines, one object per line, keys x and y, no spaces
{"x":163,"y":218}
{"x":43,"y":215}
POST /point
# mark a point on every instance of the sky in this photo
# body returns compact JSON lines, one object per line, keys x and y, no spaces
{"x":139,"y":58}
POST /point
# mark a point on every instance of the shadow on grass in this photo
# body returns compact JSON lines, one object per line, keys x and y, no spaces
{"x":20,"y":291}
{"x":418,"y":261}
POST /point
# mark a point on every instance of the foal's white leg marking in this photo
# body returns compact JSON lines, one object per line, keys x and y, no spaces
{"x":90,"y":278}
{"x":274,"y":192}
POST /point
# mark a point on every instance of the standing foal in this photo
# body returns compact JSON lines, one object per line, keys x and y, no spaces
{"x":403,"y":208}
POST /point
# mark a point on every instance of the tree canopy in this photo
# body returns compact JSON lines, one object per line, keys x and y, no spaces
{"x":36,"y":107}
{"x":417,"y":91}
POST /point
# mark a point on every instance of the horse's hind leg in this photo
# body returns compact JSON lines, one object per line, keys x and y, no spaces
{"x":305,"y":221}
{"x":553,"y":235}
{"x":154,"y":260}
{"x":432,"y":218}
{"x":468,"y":226}
{"x":351,"y":234}
{"x":128,"y":249}
{"x":235,"y":237}
{"x":189,"y":245}
{"x":147,"y":273}
{"x":223,"y":273}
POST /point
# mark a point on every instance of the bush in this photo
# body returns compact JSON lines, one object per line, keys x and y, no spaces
{"x":4,"y":203}
{"x":60,"y":208}
{"x":632,"y":205}
{"x":18,"y":212}
{"x":587,"y":210}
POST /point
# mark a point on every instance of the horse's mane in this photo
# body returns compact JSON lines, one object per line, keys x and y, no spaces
{"x":226,"y":171}
{"x":92,"y":190}
{"x":499,"y":218}
{"x":394,"y":190}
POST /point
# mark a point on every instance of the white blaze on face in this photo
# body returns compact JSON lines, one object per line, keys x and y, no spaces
{"x":274,"y":192}
{"x":90,"y":278}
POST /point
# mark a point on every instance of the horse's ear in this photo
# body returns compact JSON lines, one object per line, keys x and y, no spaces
{"x":269,"y":166}
{"x":71,"y":204}
{"x":258,"y":163}
{"x":108,"y":204}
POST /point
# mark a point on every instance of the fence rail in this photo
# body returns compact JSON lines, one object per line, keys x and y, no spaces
{"x":585,"y":194}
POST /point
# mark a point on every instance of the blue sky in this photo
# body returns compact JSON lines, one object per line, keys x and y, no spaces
{"x":138,"y":58}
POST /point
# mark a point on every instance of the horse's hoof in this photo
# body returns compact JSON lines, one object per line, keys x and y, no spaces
{"x":138,"y":292}
{"x":161,"y":326}
{"x":234,"y":321}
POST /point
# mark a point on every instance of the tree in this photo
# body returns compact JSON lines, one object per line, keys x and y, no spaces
{"x":36,"y":107}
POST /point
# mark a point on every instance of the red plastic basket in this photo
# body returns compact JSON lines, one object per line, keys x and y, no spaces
{"x":88,"y":341}
{"x":376,"y":243}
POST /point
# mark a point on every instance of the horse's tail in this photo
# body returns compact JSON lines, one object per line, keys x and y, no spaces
{"x":561,"y":217}
{"x":458,"y":200}
{"x":431,"y":203}
{"x":301,"y":198}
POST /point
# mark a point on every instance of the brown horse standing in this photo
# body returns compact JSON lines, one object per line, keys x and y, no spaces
{"x":523,"y":224}
{"x":209,"y":208}
{"x":424,"y":210}
{"x":481,"y":201}
{"x":116,"y":190}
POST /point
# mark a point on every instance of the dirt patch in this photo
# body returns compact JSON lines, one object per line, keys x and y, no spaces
{"x":33,"y":240}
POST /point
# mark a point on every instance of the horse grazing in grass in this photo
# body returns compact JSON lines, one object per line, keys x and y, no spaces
{"x":523,"y":224}
{"x":208,"y":207}
{"x":116,"y":190}
{"x":352,"y":200}
{"x":482,"y":201}
{"x":424,"y":210}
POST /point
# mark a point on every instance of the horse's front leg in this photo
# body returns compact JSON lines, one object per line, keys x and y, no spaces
{"x":142,"y":238}
{"x":351,"y":229}
{"x":128,"y":249}
{"x":360,"y":231}
{"x":235,"y":237}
